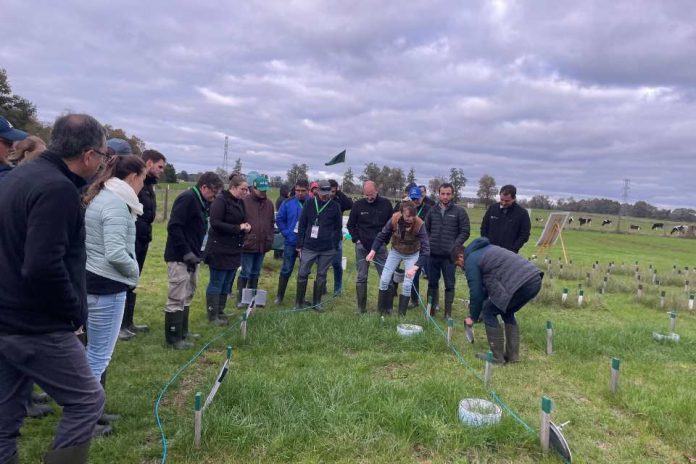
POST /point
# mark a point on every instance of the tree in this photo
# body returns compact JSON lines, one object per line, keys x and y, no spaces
{"x":18,"y":110}
{"x":487,"y":190}
{"x":183,"y":176}
{"x":539,"y":202}
{"x":222,"y":174}
{"x":434,"y":185}
{"x":136,"y":144}
{"x":169,"y":173}
{"x":276,"y":181}
{"x":296,"y":172}
{"x":237,"y":166}
{"x":458,"y":181}
{"x":348,"y":184}
{"x":371,"y":172}
{"x":411,"y":177}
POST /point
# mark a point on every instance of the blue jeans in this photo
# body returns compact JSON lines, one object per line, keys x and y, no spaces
{"x":251,"y":265}
{"x":289,"y":258}
{"x":220,"y":281}
{"x":393,"y":260}
{"x":520,"y":298}
{"x":105,"y":313}
{"x":55,"y":362}
{"x":338,"y":268}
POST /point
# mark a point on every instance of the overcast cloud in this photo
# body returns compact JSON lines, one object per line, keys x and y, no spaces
{"x":560,"y":98}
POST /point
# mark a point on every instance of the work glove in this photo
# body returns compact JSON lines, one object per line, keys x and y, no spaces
{"x":191,"y":261}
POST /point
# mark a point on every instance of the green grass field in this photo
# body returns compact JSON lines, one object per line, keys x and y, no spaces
{"x":337,"y":387}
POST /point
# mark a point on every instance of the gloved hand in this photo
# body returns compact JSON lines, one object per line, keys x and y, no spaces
{"x":191,"y":261}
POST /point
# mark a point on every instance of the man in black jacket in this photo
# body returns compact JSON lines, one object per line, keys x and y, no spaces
{"x":448,"y":226}
{"x":188,"y":224}
{"x":43,"y":299}
{"x":507,"y":224}
{"x":367,"y":218}
{"x":345,"y":204}
{"x":318,"y":233}
{"x":154,"y":163}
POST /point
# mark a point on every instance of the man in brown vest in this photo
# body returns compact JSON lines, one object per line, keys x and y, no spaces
{"x":409,"y":242}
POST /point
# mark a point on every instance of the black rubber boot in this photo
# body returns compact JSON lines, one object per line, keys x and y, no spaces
{"x":390,"y":298}
{"x":212,"y":302}
{"x":383,"y":302}
{"x":282,"y":286}
{"x":127,"y":320}
{"x":403,"y":304}
{"x":173,"y":331}
{"x":434,"y":293}
{"x":512,"y":343}
{"x":361,"y":294}
{"x":496,"y":341}
{"x":241,"y":285}
{"x":253,"y":283}
{"x":72,"y":455}
{"x":221,"y":307}
{"x":185,"y":326}
{"x":316,"y":296}
{"x":300,"y":294}
{"x":414,"y":295}
{"x":449,"y":300}
{"x":131,"y":298}
{"x":106,"y":419}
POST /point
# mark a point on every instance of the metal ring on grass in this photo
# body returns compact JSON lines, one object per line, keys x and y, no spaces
{"x":478,"y":412}
{"x":408,"y":330}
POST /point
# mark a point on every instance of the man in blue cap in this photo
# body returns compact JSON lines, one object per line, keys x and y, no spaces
{"x":8,"y":136}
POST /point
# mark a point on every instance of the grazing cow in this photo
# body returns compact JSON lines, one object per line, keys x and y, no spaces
{"x":634,"y":227}
{"x":584,"y":221}
{"x":570,"y":220}
{"x":658,"y":225}
{"x":606,"y":222}
{"x":539,"y":219}
{"x":678,"y":229}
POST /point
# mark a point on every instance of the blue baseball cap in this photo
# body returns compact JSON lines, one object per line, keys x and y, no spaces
{"x":8,"y":132}
{"x":119,"y":146}
{"x":414,"y":193}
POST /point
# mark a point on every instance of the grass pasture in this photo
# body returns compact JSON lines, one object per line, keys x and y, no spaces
{"x":335,"y":387}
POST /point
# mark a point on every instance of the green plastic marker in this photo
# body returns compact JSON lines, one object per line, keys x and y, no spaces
{"x":197,"y":420}
{"x":614,"y":385}
{"x":545,"y":423}
{"x":549,"y":338}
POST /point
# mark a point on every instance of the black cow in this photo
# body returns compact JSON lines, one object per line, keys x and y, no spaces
{"x":634,"y":227}
{"x":539,"y":219}
{"x":570,"y":220}
{"x":606,"y":222}
{"x":658,"y":225}
{"x":584,"y":221}
{"x":678,"y":229}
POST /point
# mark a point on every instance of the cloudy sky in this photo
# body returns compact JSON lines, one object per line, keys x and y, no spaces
{"x":560,"y":98}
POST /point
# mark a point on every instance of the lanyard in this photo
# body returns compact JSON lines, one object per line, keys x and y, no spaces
{"x":316,"y":206}
{"x":419,"y":210}
{"x":200,"y":199}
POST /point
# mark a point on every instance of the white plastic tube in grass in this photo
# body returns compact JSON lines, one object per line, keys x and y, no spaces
{"x":408,"y":330}
{"x":477,"y":412}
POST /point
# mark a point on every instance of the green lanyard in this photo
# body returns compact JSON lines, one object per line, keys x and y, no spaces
{"x":200,"y":199}
{"x":316,"y":207}
{"x":419,"y":210}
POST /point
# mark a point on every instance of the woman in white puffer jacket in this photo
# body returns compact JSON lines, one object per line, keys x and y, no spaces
{"x":112,"y":207}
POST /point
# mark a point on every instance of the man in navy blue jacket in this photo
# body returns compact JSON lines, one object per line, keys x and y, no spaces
{"x":318,"y":234}
{"x":500,"y":284}
{"x":43,"y":299}
{"x":287,"y":219}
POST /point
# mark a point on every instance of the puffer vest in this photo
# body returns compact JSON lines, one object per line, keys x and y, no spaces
{"x":405,"y":241}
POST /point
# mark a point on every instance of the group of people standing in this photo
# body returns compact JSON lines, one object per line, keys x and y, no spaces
{"x":76,"y":231}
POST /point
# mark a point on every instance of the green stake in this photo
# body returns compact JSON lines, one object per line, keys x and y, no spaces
{"x":197,"y":420}
{"x":614,"y":385}
{"x":545,"y":422}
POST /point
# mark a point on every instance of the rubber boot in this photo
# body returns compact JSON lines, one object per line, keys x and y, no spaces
{"x":433,"y":293}
{"x":221,"y":307}
{"x":300,"y":294}
{"x":14,"y":459}
{"x":449,"y":299}
{"x":241,"y":285}
{"x":414,"y":295}
{"x":106,"y":419}
{"x":361,"y":294}
{"x":185,"y":326}
{"x":131,"y":298}
{"x":316,"y":296}
{"x":212,"y":302}
{"x":389,"y":302}
{"x":496,"y":341}
{"x":512,"y":343}
{"x":173,"y":330}
{"x":383,"y":302}
{"x":403,"y":304}
{"x":37,"y":411}
{"x":72,"y":455}
{"x":282,"y":286}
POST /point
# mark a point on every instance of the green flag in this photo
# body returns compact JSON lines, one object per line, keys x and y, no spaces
{"x":340,"y":158}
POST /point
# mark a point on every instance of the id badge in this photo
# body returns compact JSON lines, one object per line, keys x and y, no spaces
{"x":315,"y":232}
{"x":295,"y":229}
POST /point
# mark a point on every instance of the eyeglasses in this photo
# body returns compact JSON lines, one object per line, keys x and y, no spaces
{"x":101,"y":153}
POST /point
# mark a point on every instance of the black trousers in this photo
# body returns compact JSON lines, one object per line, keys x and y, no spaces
{"x":440,"y":265}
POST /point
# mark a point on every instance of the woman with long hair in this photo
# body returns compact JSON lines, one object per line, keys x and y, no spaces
{"x":112,"y":207}
{"x":224,"y":246}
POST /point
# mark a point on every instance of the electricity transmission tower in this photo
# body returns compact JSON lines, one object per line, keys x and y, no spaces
{"x":624,"y":200}
{"x":225,"y":160}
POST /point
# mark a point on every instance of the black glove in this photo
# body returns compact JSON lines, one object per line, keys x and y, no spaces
{"x":191,"y":261}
